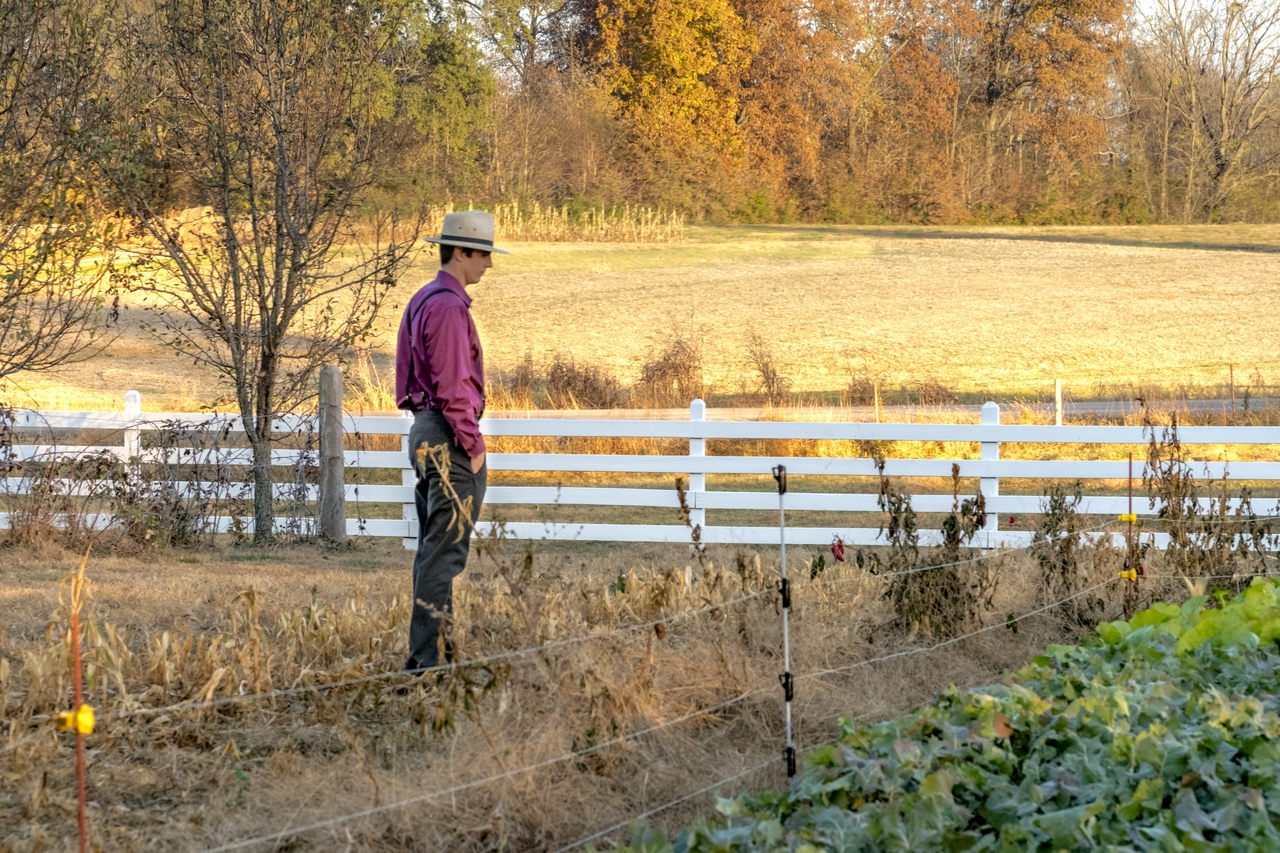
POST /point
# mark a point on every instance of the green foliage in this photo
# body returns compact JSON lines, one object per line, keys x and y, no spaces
{"x":1159,"y":733}
{"x":817,"y":566}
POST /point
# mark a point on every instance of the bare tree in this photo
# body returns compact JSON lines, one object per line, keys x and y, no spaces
{"x":524,"y":36}
{"x":54,"y":255}
{"x":278,"y":115}
{"x":1212,"y":74}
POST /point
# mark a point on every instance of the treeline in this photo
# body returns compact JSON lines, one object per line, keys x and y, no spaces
{"x":1051,"y":111}
{"x":1046,"y":111}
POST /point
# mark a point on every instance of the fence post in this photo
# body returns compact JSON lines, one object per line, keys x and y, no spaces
{"x":1057,"y":402}
{"x":133,"y":433}
{"x":408,"y":477}
{"x":333,"y":498}
{"x":697,"y":482}
{"x":990,"y":486}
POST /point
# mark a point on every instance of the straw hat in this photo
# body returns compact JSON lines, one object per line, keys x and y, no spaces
{"x":469,"y":229}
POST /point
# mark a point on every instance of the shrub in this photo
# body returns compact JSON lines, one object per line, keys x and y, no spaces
{"x":671,"y":375}
{"x":772,"y":385}
{"x":931,"y":392}
{"x":1057,"y":546}
{"x":944,"y":593}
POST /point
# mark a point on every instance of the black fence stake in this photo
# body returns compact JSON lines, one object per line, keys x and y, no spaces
{"x":784,"y":588}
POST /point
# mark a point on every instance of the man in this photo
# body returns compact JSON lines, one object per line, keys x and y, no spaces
{"x":440,"y":378}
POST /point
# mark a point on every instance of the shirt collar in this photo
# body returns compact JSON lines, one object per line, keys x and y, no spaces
{"x":452,"y":284}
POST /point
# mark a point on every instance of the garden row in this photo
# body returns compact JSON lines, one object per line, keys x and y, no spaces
{"x":1157,"y":733}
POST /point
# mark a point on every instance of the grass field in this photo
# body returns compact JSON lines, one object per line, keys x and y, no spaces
{"x":996,"y":312}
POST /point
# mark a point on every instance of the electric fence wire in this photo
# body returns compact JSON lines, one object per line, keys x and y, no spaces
{"x":686,"y":797}
{"x":951,"y":642}
{"x":667,"y":805}
{"x":223,"y":701}
{"x":497,"y":777}
{"x":185,"y":706}
{"x":188,"y":706}
{"x":7,"y":748}
{"x":990,"y":554}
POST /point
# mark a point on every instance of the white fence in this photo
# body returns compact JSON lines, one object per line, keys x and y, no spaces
{"x":990,"y":469}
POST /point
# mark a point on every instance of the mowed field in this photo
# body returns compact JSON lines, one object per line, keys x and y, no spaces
{"x":994,"y":311}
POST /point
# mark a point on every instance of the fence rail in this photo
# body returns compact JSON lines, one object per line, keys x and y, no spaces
{"x":132,"y":427}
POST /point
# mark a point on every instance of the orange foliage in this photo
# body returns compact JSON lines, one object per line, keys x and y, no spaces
{"x":672,"y":68}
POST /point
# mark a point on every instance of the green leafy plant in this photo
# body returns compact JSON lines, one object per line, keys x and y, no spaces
{"x":817,"y":566}
{"x":1157,"y":733}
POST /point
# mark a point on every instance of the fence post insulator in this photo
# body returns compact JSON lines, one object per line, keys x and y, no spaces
{"x":80,"y":720}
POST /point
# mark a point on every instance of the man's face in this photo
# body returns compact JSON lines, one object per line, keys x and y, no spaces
{"x":472,"y":265}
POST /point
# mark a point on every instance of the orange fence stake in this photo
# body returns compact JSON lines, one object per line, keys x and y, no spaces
{"x":81,"y":719}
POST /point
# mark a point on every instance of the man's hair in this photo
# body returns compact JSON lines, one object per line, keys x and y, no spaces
{"x":446,"y":252}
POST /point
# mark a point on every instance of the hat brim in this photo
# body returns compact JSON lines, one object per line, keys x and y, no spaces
{"x":466,"y":244}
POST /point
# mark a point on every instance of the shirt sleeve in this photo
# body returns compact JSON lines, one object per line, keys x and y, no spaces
{"x":449,"y":354}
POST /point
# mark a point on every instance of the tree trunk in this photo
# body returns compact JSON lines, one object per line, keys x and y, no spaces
{"x":1164,"y":160}
{"x":264,"y":517}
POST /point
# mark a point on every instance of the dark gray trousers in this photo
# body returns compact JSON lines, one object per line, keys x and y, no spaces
{"x":442,"y":553}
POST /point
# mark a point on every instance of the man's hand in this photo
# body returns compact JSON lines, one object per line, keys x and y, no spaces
{"x":477,"y":462}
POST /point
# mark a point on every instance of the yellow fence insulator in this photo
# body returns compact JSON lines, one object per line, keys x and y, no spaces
{"x":80,"y":720}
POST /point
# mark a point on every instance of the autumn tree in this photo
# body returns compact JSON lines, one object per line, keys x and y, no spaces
{"x":524,"y":36}
{"x":1206,"y":91}
{"x":277,"y":116}
{"x":55,"y":237}
{"x":904,"y":138}
{"x":1040,"y":70}
{"x":673,"y":67}
{"x":796,"y":96}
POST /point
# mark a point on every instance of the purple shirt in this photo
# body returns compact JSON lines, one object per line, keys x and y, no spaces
{"x":439,"y":362}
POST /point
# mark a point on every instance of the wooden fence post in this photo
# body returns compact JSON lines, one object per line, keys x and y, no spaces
{"x":990,"y":486}
{"x":133,"y":434}
{"x":697,"y":482}
{"x":333,"y":498}
{"x":1057,"y":402}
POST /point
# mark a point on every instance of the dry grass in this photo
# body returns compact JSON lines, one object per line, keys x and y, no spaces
{"x":983,"y":311}
{"x":213,"y":625}
{"x":538,"y":224}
